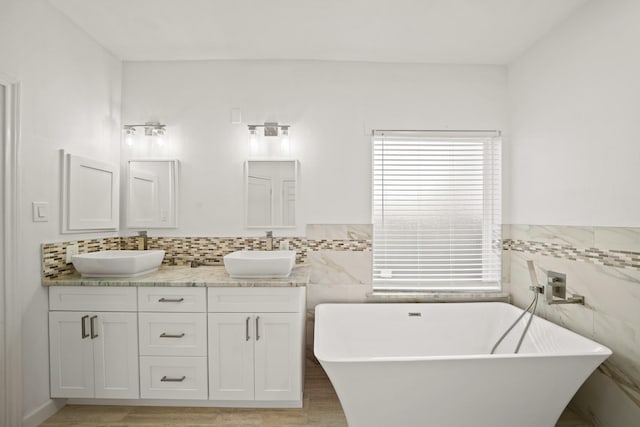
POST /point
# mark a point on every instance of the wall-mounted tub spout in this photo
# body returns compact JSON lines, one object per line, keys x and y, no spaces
{"x":556,"y":290}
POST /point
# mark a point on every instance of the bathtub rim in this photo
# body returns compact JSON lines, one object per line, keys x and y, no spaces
{"x":599,"y":350}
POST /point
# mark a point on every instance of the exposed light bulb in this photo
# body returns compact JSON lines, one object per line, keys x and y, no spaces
{"x":253,"y":140}
{"x":128,"y":139}
{"x":284,"y":141}
{"x":159,"y":136}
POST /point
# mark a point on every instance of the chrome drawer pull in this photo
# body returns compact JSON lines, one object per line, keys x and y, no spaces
{"x":166,"y":335}
{"x":84,"y":326}
{"x":171,"y":299}
{"x":246,"y":328}
{"x":94,"y":334}
{"x":257,"y":330}
{"x":172,"y":380}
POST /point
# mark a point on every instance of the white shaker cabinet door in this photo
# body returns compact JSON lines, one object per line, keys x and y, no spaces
{"x":278,"y":356}
{"x":231,"y":356}
{"x":71,"y":354}
{"x":115,"y":338}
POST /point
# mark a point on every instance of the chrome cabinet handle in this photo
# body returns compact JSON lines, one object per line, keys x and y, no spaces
{"x":257,"y":330}
{"x":93,"y":327}
{"x":166,"y":335}
{"x":83,"y":323}
{"x":166,"y":379}
{"x":246,"y":328}
{"x":171,"y":299}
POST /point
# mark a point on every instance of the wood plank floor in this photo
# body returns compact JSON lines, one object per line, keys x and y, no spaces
{"x":321,"y":409}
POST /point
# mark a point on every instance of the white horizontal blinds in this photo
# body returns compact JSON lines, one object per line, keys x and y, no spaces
{"x":436,"y":211}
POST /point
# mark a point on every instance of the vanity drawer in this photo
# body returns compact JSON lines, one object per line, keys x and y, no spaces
{"x":258,"y":299}
{"x":92,"y":298}
{"x":177,"y":299}
{"x":173,"y":377}
{"x":172,"y":334}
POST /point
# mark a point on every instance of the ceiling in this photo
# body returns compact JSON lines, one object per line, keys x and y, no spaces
{"x":433,"y":31}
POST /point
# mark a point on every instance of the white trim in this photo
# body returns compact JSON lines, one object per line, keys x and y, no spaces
{"x":11,"y":347}
{"x":174,"y":190}
{"x":296,"y":168}
{"x":70,"y":222}
{"x":437,"y":133}
{"x":436,"y":212}
{"x":42,"y":412}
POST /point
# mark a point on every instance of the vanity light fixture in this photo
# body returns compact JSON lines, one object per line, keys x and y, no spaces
{"x":274,"y":133}
{"x":270,"y":129}
{"x":156,"y":129}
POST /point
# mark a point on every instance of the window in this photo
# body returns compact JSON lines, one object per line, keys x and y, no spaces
{"x":436,"y":211}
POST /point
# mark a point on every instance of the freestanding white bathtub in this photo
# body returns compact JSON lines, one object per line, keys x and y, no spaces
{"x":428,"y":365}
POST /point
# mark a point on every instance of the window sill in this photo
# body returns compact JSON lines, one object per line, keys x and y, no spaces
{"x":438,"y":297}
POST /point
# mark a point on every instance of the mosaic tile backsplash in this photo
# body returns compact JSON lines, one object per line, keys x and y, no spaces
{"x":185,"y":250}
{"x":607,"y":257}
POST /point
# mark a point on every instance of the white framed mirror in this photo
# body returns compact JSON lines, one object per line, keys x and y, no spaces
{"x":89,"y":195}
{"x":271,"y":193}
{"x":152,"y":194}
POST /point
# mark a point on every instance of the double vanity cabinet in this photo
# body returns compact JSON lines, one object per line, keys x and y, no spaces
{"x":211,"y":345}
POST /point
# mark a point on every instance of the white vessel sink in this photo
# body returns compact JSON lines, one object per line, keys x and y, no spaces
{"x":259,"y":264}
{"x":117,"y":263}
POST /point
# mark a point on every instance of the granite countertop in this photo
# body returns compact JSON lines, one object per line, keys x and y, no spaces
{"x":186,"y":276}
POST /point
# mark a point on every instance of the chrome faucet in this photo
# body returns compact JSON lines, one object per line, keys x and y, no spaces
{"x":144,"y":245}
{"x":269,"y":240}
{"x":555,"y":291}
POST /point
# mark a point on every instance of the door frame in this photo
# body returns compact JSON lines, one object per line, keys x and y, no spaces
{"x":11,"y":337}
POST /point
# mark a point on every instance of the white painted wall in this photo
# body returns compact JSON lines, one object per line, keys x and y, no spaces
{"x":70,"y":99}
{"x":575,"y":151}
{"x":331,"y":106}
{"x":575,"y":121}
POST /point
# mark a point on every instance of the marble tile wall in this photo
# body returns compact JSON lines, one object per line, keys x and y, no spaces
{"x":337,"y":276}
{"x":603,"y":265}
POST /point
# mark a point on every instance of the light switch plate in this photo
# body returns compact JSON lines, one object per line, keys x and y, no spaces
{"x":40,"y":211}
